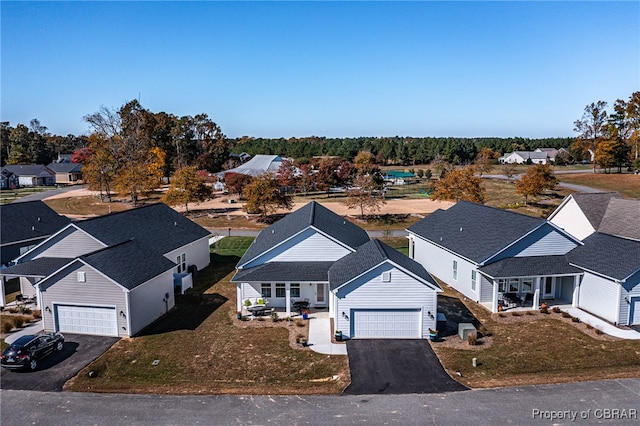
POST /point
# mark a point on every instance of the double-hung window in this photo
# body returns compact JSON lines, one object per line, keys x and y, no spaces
{"x":265,"y":289}
{"x":280,"y":290}
{"x":182,"y":262}
{"x":295,"y":290}
{"x":473,"y":280}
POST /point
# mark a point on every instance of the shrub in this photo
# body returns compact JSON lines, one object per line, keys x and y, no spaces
{"x":589,"y":326}
{"x":472,"y":338}
{"x":298,"y":337}
{"x":566,"y":315}
{"x":557,"y":310}
{"x":515,"y":314}
{"x":260,"y":319}
{"x":274,"y":317}
{"x":544,"y":310}
{"x":37,"y":313}
{"x":501,"y":315}
{"x":7,"y":326}
{"x":299,"y":323}
{"x":18,"y":321}
{"x":24,"y":309}
{"x":575,"y":319}
{"x":531,"y":312}
{"x":598,"y":331}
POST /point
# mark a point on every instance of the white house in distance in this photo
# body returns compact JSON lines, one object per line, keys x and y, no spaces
{"x":32,"y":174}
{"x":539,"y":156}
{"x":502,"y":259}
{"x":112,"y":275}
{"x":313,"y":254}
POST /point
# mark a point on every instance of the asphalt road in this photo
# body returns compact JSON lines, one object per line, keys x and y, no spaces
{"x":590,"y":402}
{"x":45,"y":194}
{"x":396,"y":366}
{"x":54,"y":370}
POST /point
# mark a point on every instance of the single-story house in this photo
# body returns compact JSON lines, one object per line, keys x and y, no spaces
{"x":32,"y":174}
{"x":378,"y":292}
{"x":317,"y":255}
{"x":583,"y":214}
{"x":502,"y":259}
{"x":521,"y":157}
{"x":67,"y":173}
{"x":112,"y":275}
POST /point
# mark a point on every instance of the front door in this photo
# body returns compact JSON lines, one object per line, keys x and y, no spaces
{"x":321,"y":297}
{"x":548,"y":288}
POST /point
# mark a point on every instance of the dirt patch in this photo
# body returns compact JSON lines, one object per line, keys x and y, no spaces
{"x":297,"y":327}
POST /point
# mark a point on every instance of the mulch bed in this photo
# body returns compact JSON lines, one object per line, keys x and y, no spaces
{"x":298,"y":328}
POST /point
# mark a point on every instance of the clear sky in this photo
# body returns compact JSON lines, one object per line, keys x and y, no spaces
{"x":335,"y":69}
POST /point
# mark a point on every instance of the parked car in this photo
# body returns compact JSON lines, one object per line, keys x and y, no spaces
{"x":28,"y":350}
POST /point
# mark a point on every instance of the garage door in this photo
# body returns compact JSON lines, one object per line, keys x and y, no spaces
{"x":94,"y":320}
{"x":387,"y":324}
{"x":635,"y":310}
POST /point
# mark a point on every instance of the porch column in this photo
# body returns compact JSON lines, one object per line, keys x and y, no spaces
{"x":536,"y":294}
{"x":287,"y":298}
{"x":494,"y":300}
{"x":2,"y":300}
{"x":411,"y":247}
{"x":239,"y":297}
{"x":576,"y":291}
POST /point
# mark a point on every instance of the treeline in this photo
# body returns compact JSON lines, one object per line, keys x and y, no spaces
{"x":395,"y":150}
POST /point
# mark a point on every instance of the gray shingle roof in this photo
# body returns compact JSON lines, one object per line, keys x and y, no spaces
{"x":129,"y":263}
{"x":285,"y":271}
{"x":614,"y":257}
{"x":154,"y":226}
{"x":312,"y":214}
{"x":28,"y":169}
{"x":65,"y":167}
{"x":594,"y":205}
{"x":622,"y":218}
{"x":474,"y":231}
{"x":258,"y":165}
{"x":529,"y":266}
{"x":27,"y":220}
{"x":40,"y":267}
{"x":368,"y":256}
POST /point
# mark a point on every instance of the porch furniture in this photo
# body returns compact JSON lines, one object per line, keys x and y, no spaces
{"x":300,"y":305}
{"x":258,"y":310}
{"x":511,"y":300}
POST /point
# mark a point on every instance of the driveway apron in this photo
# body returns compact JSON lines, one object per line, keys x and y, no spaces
{"x":396,"y":367}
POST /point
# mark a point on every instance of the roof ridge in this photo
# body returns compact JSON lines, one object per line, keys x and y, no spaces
{"x":118,"y":213}
{"x":106,"y":248}
{"x":312,"y":213}
{"x":381,"y":249}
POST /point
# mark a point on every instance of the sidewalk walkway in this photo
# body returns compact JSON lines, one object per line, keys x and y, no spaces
{"x":33,"y":328}
{"x":595,"y":322}
{"x":320,"y":335}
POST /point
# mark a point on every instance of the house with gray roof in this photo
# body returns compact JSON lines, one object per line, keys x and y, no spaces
{"x":502,"y":259}
{"x":317,"y":256}
{"x":257,"y":166}
{"x":32,"y":174}
{"x":112,"y":275}
{"x":495,"y":257}
{"x":66,"y":172}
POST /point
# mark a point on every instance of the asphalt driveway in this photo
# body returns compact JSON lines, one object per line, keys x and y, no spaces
{"x":396,"y":367}
{"x":53,"y":371}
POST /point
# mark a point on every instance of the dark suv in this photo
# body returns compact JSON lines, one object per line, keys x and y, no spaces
{"x":28,"y":350}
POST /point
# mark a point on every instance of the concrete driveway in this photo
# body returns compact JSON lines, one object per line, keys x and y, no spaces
{"x":396,"y":367}
{"x":53,"y":371}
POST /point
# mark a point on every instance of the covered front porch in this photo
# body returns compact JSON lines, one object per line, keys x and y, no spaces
{"x":283,"y":296}
{"x":526,"y":282}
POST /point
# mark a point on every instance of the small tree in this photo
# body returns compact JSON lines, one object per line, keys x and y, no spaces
{"x":483,"y":160}
{"x":236,"y":182}
{"x":459,"y":184}
{"x":537,"y":179}
{"x":187,"y":187}
{"x":263,"y":196}
{"x":365,"y":194}
{"x":509,"y":170}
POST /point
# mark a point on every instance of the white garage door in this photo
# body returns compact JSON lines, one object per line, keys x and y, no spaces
{"x":95,"y":320}
{"x":389,"y":324}
{"x":599,"y":296}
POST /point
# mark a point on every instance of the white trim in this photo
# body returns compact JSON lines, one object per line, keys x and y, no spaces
{"x":56,"y":325}
{"x":55,"y":235}
{"x":411,"y":274}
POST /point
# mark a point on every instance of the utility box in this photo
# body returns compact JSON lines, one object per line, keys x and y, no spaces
{"x":464,"y":329}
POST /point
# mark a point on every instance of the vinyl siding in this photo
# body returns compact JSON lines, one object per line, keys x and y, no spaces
{"x":545,"y":241}
{"x":599,"y":296}
{"x":197,"y":253}
{"x":146,"y":302}
{"x":64,"y":289}
{"x":631,"y":288}
{"x":370,"y":292}
{"x":564,"y":288}
{"x":439,"y":262}
{"x":72,"y":242}
{"x":307,"y":291}
{"x":572,"y":219}
{"x":309,"y":245}
{"x":486,"y":289}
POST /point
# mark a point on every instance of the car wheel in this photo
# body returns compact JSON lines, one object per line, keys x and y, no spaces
{"x":59,"y":346}
{"x":33,"y":364}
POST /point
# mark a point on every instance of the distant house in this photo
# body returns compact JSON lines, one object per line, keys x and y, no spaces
{"x":521,"y":157}
{"x":8,"y":180}
{"x":32,"y":174}
{"x":112,"y":275}
{"x":67,"y":173}
{"x":258,"y":165}
{"x":397,"y":177}
{"x":370,"y":289}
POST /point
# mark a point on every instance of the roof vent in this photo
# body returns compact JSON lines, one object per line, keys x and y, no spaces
{"x":175,"y":223}
{"x":461,"y":229}
{"x":273,"y":231}
{"x":440,"y":238}
{"x":33,"y":228}
{"x":38,"y":219}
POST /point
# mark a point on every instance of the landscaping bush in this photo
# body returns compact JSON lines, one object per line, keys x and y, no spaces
{"x":598,"y":331}
{"x":24,"y":309}
{"x":515,"y":314}
{"x":531,"y":312}
{"x":589,"y":326}
{"x":274,"y":317}
{"x":260,"y":319}
{"x":575,"y":319}
{"x":501,"y":315}
{"x":37,"y":313}
{"x":7,"y":326}
{"x":18,"y":321}
{"x":299,"y":323}
{"x":566,"y":315}
{"x":544,"y":310}
{"x":556,"y":310}
{"x":298,"y":337}
{"x":472,"y":338}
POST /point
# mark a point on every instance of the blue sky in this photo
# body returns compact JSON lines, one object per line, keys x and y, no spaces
{"x":336,"y":69}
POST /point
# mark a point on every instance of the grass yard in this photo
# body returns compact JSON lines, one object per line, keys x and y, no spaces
{"x":85,"y":206}
{"x":203,"y":349}
{"x":10,"y":195}
{"x":538,"y":349}
{"x":626,"y":184}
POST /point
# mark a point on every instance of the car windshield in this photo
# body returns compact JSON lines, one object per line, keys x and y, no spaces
{"x":22,"y":341}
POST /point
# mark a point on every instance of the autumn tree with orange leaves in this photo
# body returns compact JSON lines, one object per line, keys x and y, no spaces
{"x":459,"y":184}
